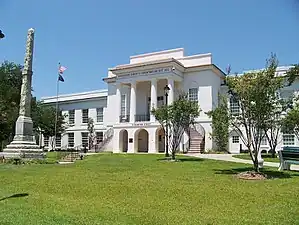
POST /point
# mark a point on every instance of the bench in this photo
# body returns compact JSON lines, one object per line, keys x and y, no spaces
{"x":288,"y":155}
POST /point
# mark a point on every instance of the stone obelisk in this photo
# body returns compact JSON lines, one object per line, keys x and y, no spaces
{"x":24,"y":144}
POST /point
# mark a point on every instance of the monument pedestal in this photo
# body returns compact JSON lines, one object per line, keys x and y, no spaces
{"x":23,"y":144}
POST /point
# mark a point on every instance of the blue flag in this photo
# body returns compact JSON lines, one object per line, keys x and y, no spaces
{"x":60,"y":78}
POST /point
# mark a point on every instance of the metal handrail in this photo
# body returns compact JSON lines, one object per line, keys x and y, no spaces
{"x":124,"y":118}
{"x":142,"y":117}
{"x":107,"y":137}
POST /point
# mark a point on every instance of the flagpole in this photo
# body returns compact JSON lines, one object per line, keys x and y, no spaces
{"x":56,"y":114}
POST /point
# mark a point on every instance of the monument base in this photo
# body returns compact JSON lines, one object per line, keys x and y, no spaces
{"x":23,"y":145}
{"x":24,"y":150}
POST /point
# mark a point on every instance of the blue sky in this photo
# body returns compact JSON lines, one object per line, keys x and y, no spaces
{"x":90,"y":36}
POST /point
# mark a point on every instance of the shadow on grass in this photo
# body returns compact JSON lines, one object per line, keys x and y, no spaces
{"x":271,"y":174}
{"x":183,"y":159}
{"x":15,"y":196}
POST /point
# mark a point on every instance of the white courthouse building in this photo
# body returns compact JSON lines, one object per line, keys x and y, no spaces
{"x":122,"y":113}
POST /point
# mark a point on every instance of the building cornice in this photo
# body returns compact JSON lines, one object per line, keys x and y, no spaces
{"x":157,"y":53}
{"x":212,"y":67}
{"x":144,"y":64}
{"x":76,"y":96}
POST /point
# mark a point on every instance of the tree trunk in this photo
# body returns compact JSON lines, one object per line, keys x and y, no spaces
{"x":256,"y":166}
{"x":272,"y":152}
{"x":173,"y":155}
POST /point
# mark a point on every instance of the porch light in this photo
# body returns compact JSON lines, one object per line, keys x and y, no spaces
{"x":1,"y":34}
{"x":166,"y":90}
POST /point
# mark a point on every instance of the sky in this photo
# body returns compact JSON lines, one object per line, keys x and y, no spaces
{"x":90,"y":36}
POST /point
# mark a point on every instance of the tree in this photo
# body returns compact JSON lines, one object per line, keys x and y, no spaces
{"x":290,"y":123}
{"x":177,"y":117}
{"x":254,"y":92}
{"x":10,"y":88}
{"x":220,"y":123}
{"x":91,"y":133}
{"x":44,"y":118}
{"x":274,"y":123}
{"x":293,"y":74}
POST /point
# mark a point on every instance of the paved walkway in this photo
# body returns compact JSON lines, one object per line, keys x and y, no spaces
{"x":230,"y":158}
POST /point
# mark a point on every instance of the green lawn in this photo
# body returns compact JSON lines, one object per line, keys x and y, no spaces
{"x":141,"y":189}
{"x":266,"y":157}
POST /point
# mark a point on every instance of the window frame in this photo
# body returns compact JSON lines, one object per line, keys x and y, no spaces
{"x":234,"y":140}
{"x":100,"y":116}
{"x":84,"y":118}
{"x":68,"y":140}
{"x":71,"y":118}
{"x":123,"y":105}
{"x":288,"y":142}
{"x":98,"y":139}
{"x":83,"y":139}
{"x":234,"y":106}
{"x":59,"y":138}
{"x":193,"y":96}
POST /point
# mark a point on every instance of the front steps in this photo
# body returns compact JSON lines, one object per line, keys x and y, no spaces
{"x":197,"y":144}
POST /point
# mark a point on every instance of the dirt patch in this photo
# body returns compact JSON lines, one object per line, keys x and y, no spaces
{"x":251,"y":175}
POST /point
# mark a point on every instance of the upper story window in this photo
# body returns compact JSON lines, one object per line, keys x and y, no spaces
{"x":288,"y":139}
{"x":71,"y":116}
{"x":234,"y":106}
{"x":84,"y":115}
{"x":100,"y":115}
{"x":123,"y":105}
{"x":193,"y":94}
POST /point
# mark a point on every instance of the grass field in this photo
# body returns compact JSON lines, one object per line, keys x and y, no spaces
{"x":143,"y":189}
{"x":266,"y":157}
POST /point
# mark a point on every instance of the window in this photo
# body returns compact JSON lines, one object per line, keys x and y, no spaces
{"x":84,"y":136}
{"x":235,"y":139}
{"x":234,"y":106}
{"x":99,"y":137}
{"x":193,"y":94}
{"x":71,"y":116}
{"x":288,"y":139}
{"x":71,"y":140}
{"x":123,"y":105}
{"x":99,"y":115}
{"x":58,"y":141}
{"x":84,"y":115}
{"x":46,"y":141}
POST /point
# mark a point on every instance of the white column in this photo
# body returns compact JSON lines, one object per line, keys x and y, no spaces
{"x":171,"y":91}
{"x":153,"y":97}
{"x":133,"y":102}
{"x":118,"y":101}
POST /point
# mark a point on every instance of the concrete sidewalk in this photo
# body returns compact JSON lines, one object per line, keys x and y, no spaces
{"x":230,"y":158}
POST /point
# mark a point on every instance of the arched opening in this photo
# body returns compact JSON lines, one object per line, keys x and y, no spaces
{"x":160,"y":140}
{"x":123,"y":140}
{"x":141,"y":141}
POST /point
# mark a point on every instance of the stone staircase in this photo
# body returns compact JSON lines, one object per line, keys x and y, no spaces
{"x":197,"y":141}
{"x":107,"y":138}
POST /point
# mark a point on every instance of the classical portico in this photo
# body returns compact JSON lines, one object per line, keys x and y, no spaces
{"x":144,"y":94}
